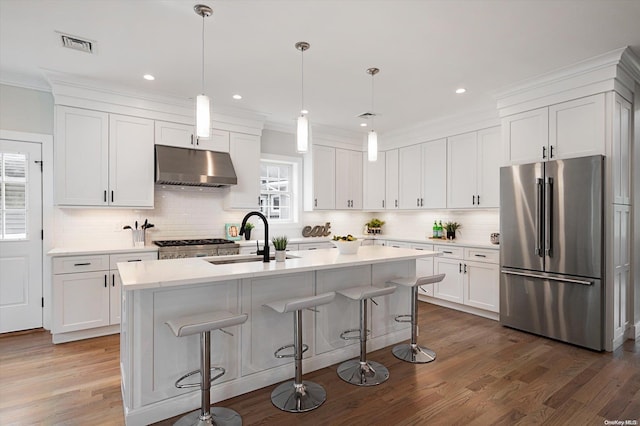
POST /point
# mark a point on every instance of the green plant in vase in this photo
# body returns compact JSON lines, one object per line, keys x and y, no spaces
{"x":451,"y":228}
{"x":374,"y":226}
{"x":247,"y":230}
{"x":280,"y":244}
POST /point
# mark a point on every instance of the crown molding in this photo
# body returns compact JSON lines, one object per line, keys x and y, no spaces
{"x":24,"y":81}
{"x":80,"y":92}
{"x":439,"y":128}
{"x":615,"y":70}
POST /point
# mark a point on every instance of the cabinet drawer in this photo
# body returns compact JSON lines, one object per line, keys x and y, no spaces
{"x":130,"y":257}
{"x":450,"y":252}
{"x":315,"y":246}
{"x":69,"y":265}
{"x":427,"y":247}
{"x":397,"y":244}
{"x":482,"y":255}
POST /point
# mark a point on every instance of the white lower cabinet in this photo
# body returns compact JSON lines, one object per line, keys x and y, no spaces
{"x":472,"y":277}
{"x":87,"y":292}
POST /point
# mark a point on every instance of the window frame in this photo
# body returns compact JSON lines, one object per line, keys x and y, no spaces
{"x":295,"y":187}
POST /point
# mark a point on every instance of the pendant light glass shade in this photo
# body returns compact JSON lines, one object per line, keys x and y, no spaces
{"x":302,"y":135}
{"x":203,"y":104}
{"x":203,"y":116}
{"x":372,"y":146}
{"x":372,"y":137}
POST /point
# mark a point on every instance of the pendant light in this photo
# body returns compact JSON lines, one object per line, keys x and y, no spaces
{"x":372,"y":137}
{"x":302,"y":134}
{"x":203,"y":105}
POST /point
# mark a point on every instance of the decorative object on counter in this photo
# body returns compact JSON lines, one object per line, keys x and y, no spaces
{"x":346,"y":244}
{"x":438,"y":231}
{"x":247,"y":230}
{"x":232,"y":231}
{"x":317,"y":231}
{"x":495,"y":238}
{"x":374,"y":226}
{"x":138,"y":235}
{"x":280,"y":244}
{"x":451,"y":228}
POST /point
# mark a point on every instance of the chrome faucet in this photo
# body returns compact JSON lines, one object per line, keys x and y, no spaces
{"x":265,"y":252}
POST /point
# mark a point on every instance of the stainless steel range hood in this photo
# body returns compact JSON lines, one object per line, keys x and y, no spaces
{"x":193,"y":167}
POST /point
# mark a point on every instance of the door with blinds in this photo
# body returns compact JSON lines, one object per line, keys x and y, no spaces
{"x":20,"y":236}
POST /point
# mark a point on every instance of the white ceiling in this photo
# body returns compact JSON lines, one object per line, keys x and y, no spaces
{"x":425,"y":50}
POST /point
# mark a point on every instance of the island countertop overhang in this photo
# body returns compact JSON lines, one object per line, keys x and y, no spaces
{"x":179,"y":272}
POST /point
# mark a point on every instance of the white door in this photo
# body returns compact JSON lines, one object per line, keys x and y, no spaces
{"x":20,"y":236}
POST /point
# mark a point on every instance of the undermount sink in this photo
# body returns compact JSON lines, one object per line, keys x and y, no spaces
{"x":244,"y":259}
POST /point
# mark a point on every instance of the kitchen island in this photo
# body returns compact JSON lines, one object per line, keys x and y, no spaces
{"x":152,"y":358}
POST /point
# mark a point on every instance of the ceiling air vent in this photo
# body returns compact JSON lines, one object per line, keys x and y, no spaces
{"x":76,"y":43}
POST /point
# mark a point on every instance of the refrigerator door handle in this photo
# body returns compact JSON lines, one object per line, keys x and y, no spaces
{"x":548,"y":207}
{"x":538,"y":217}
{"x":546,"y":277}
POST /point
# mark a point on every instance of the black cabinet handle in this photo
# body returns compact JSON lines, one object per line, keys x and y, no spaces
{"x":448,"y":252}
{"x":197,"y":141}
{"x":192,"y":139}
{"x":479,"y":255}
{"x":396,"y":203}
{"x":460,"y":267}
{"x":478,"y":200}
{"x":113,"y":280}
{"x":473,"y":200}
{"x":544,"y":152}
{"x":105,"y":281}
{"x":315,"y":201}
{"x":465,"y":268}
{"x":82,"y":264}
{"x":383,"y":204}
{"x":551,"y":151}
{"x":135,"y":260}
{"x":112,"y":196}
{"x":105,"y":196}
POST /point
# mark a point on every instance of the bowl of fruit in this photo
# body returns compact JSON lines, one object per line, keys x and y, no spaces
{"x":346,"y":244}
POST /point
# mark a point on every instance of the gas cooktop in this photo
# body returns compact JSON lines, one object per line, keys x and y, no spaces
{"x":195,"y":242}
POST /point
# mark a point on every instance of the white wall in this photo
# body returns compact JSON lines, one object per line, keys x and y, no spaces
{"x":26,"y":110}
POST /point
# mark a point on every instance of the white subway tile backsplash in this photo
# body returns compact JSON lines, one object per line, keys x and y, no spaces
{"x":197,"y":214}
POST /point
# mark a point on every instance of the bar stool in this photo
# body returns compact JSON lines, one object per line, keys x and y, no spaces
{"x":204,"y":324}
{"x":412,"y":352}
{"x":360,"y":371}
{"x":297,"y":396}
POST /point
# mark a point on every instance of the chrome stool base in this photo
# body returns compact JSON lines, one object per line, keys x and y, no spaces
{"x":219,"y":416}
{"x":298,"y":398}
{"x":413,"y":353}
{"x":368,"y":373}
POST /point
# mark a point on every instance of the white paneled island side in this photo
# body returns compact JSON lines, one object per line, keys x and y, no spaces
{"x":152,"y":358}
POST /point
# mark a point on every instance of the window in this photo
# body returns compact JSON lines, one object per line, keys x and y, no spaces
{"x":13,"y":189}
{"x":277,"y":189}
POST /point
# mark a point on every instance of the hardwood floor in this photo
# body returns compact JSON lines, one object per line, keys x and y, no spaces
{"x":484,"y":374}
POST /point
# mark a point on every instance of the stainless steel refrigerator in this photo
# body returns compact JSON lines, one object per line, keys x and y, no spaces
{"x":551,"y":249}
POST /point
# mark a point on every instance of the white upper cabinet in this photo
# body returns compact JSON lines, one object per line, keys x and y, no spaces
{"x":324,"y":178}
{"x":392,"y":195}
{"x":622,"y":155}
{"x":473,"y":173}
{"x":131,"y":161}
{"x":184,"y":136}
{"x":373,"y":186}
{"x":103,"y":159}
{"x":245,"y":155}
{"x":349,"y":179}
{"x":423,"y":175}
{"x":566,"y":130}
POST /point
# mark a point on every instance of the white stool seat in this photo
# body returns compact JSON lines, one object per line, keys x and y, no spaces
{"x":365,"y":292}
{"x":198,"y":323}
{"x":290,"y":305}
{"x":417,"y":281}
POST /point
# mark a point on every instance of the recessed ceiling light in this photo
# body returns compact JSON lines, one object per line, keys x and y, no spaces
{"x":363,"y":124}
{"x":461,"y":90}
{"x":148,"y":77}
{"x":304,"y":111}
{"x":237,"y":97}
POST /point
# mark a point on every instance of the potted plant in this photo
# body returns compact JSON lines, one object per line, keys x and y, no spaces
{"x":374,"y":226}
{"x":451,"y":228}
{"x":247,"y":230}
{"x":280,"y":244}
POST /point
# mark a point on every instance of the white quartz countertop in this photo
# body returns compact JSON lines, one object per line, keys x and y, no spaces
{"x":178,"y":272}
{"x":456,"y":242}
{"x":98,"y":249}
